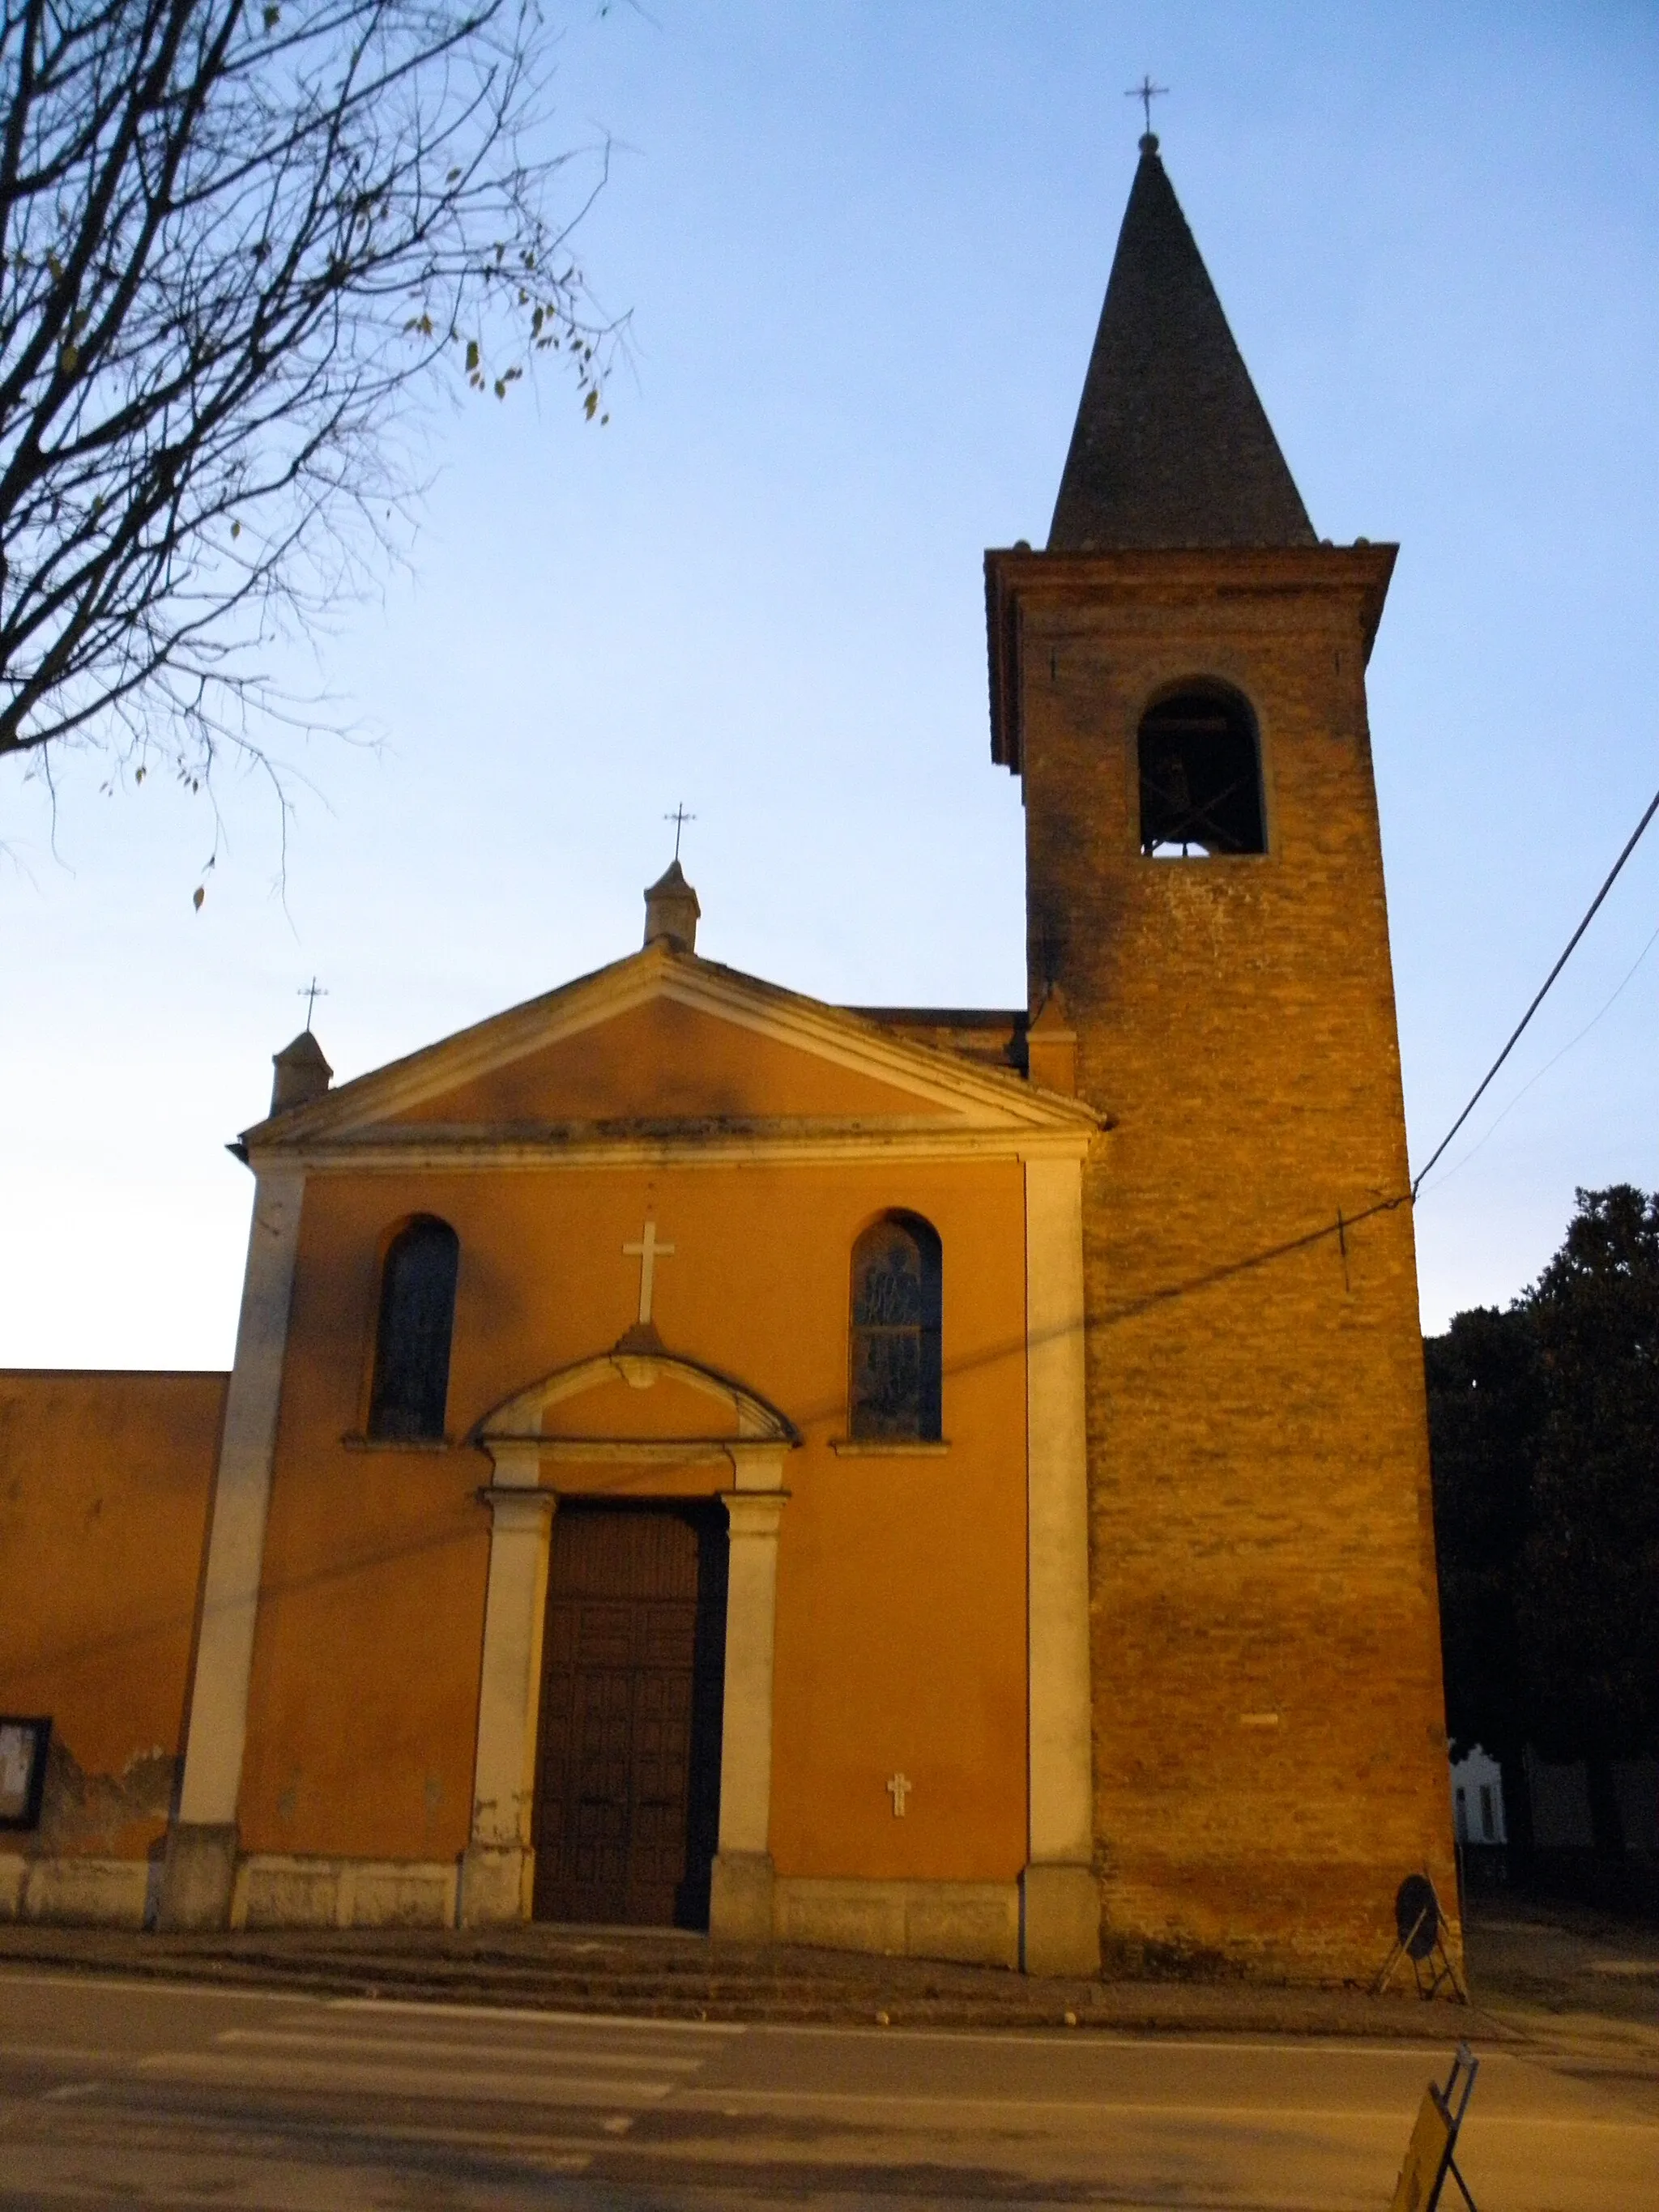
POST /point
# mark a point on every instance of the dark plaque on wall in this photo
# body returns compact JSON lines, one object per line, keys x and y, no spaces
{"x":24,"y":1746}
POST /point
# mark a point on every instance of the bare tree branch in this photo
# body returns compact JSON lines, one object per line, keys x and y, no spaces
{"x":234,"y":240}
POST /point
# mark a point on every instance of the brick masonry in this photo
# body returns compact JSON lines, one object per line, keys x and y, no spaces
{"x":1269,"y":1733}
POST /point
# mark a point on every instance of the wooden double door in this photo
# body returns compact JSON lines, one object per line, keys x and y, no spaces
{"x":633,"y":1676}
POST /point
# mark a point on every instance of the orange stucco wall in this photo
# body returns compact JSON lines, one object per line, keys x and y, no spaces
{"x":105,"y":1488}
{"x":900,"y":1623}
{"x":664,"y":1061}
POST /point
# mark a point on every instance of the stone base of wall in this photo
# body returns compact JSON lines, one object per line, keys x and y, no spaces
{"x":1325,"y":1925}
{"x":274,"y":1891}
{"x":975,"y":1922}
{"x":87,"y":1893}
{"x":270,"y":1892}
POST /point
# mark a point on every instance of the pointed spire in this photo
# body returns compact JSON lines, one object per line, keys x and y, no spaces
{"x":302,"y":1073}
{"x":671,"y":912}
{"x":1172,"y":445}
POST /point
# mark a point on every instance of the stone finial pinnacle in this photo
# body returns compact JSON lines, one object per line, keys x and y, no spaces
{"x":671,"y":911}
{"x":302,"y":1073}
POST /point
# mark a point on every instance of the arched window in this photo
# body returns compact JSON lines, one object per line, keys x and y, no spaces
{"x":411,"y":1345}
{"x":1200,"y":775}
{"x":894,"y":1385}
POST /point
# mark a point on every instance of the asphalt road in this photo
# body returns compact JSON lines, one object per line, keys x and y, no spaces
{"x":125,"y":2093}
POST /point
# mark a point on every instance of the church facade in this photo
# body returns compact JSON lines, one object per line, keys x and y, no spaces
{"x":912,"y":1480}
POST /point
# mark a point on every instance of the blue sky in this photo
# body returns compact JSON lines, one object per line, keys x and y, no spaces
{"x":864,"y":247}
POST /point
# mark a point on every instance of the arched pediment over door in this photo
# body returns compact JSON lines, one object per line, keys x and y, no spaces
{"x":641,"y":1407}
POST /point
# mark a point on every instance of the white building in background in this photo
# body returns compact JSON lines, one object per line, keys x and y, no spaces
{"x":1478,"y":1799}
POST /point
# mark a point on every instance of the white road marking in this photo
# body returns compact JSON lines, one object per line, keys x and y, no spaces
{"x":627,"y":2022}
{"x":1092,"y":2035}
{"x":420,"y":2047}
{"x":474,"y":2061}
{"x":734,"y":2101}
{"x":496,"y":2086}
{"x":517,"y":2139}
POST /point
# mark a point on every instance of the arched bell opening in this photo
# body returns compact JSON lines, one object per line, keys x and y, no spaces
{"x":1199,"y":759}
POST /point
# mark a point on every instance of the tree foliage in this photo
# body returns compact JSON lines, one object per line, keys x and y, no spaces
{"x":1485,"y":1408}
{"x":1543,"y":1428}
{"x":1588,"y":1589}
{"x":233,"y":239}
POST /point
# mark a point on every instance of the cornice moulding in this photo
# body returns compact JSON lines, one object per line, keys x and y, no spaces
{"x":481,"y":1153}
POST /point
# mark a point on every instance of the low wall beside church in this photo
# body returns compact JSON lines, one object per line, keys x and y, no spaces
{"x":106,"y":1484}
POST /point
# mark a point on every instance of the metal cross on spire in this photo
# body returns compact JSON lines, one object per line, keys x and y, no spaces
{"x":1146,"y":92}
{"x":311,"y":993}
{"x":679,"y":818}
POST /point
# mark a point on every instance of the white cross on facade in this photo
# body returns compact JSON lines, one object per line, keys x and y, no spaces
{"x":899,"y":1787}
{"x":647,"y":1251}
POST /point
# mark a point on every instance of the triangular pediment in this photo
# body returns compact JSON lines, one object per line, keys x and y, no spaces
{"x":666,"y":1046}
{"x":662,"y":1060}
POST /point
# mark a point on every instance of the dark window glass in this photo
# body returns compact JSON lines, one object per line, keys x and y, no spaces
{"x":897,"y":1300}
{"x":1200,"y":778}
{"x":411,"y":1346}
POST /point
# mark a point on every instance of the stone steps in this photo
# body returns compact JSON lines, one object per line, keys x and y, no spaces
{"x":688,"y":1977}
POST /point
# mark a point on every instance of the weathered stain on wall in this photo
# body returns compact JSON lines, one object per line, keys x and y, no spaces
{"x":105,"y":1488}
{"x":106,"y":1814}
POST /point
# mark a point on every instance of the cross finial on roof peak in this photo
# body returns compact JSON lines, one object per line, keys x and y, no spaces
{"x":1146,"y":92}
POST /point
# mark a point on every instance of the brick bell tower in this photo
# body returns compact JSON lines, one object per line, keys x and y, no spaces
{"x":1178,"y":679}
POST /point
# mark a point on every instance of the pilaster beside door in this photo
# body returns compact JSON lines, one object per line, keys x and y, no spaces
{"x":498,"y":1867}
{"x":740,"y":1896}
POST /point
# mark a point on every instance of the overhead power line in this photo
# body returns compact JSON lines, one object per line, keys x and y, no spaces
{"x":1589,"y":915}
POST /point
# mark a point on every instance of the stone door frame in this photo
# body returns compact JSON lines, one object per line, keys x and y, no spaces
{"x":746,"y":1471}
